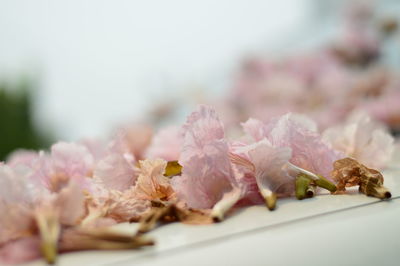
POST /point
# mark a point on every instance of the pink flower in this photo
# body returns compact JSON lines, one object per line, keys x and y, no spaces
{"x":18,"y":196}
{"x":71,"y":159}
{"x":208,"y":179}
{"x":133,"y":140}
{"x":115,"y":172}
{"x":205,"y":178}
{"x":363,"y":140}
{"x":22,"y":157}
{"x":96,"y":146}
{"x":298,"y":133}
{"x":166,"y":144}
{"x":201,"y":129}
{"x":270,"y":168}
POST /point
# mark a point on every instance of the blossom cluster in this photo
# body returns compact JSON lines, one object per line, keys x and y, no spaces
{"x":69,"y":198}
{"x":329,"y":83}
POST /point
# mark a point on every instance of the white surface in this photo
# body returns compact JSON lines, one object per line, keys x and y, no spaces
{"x":326,"y":230}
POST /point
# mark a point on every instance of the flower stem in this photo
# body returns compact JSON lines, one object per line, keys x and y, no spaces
{"x":225,"y":204}
{"x":302,"y":184}
{"x":270,"y":201}
{"x":49,"y":228}
{"x":325,"y":183}
{"x":310,"y":192}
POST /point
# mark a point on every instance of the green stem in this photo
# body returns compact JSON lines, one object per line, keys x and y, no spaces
{"x":302,"y":183}
{"x":325,"y":183}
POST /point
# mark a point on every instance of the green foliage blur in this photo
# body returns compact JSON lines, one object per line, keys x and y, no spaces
{"x":17,"y":130}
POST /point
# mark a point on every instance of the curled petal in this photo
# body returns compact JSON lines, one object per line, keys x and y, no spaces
{"x":151,"y":183}
{"x":349,"y":172}
{"x":127,"y":208}
{"x":270,"y":173}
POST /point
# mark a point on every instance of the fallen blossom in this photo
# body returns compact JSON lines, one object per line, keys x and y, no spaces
{"x":362,"y":139}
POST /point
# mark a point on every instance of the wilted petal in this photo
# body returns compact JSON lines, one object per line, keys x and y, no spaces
{"x":151,"y":183}
{"x":127,"y":209}
{"x":114,"y":206}
{"x":349,"y":172}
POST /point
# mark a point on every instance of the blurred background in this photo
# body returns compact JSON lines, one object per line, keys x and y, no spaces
{"x":71,"y":69}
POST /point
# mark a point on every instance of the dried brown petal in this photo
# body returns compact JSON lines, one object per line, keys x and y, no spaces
{"x":100,"y":239}
{"x":349,"y":172}
{"x":168,"y":213}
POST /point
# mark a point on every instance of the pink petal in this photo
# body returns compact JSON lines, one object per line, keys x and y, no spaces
{"x":151,"y":183}
{"x":22,"y":157}
{"x":71,"y":159}
{"x":20,"y":251}
{"x":115,"y":172}
{"x":363,"y":140}
{"x":132,"y":139}
{"x":269,"y":165}
{"x":308,"y":150}
{"x":166,"y":144}
{"x":70,"y":201}
{"x":202,"y":127}
{"x":205,"y":178}
{"x":207,"y":171}
{"x":18,"y":195}
{"x":298,"y":133}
